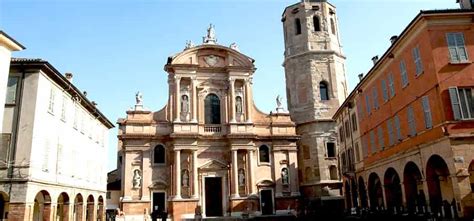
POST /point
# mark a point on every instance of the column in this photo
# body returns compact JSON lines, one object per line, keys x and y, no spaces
{"x":195,"y":176}
{"x":177,"y":172}
{"x":427,"y":195}
{"x":232,"y":100}
{"x":250,"y":172}
{"x":248,"y":100}
{"x":194,"y":99}
{"x":404,"y":201}
{"x":235,"y":178}
{"x":384,"y":197}
{"x":177,"y":81}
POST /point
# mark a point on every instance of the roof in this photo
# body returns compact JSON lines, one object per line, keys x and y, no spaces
{"x":21,"y":47}
{"x":405,"y":32}
{"x":309,"y":1}
{"x":57,"y":77}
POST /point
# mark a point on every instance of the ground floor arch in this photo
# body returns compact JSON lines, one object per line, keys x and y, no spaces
{"x":62,"y":210}
{"x":42,"y":206}
{"x":413,"y":185}
{"x":90,"y":208}
{"x":4,"y":200}
{"x":393,"y":190}
{"x":362,"y":193}
{"x":375,"y":191}
{"x":78,"y":207}
{"x":440,"y":188}
{"x":100,"y":209}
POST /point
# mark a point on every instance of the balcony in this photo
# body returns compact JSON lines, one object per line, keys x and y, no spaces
{"x":211,"y":129}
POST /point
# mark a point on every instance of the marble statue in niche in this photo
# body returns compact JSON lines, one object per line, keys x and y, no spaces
{"x":241,"y":177}
{"x":184,"y":104}
{"x":238,"y":105}
{"x":137,"y":179}
{"x":284,"y":176}
{"x":185,"y":178}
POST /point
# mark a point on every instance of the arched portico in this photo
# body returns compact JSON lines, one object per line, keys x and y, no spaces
{"x":90,"y":208}
{"x":440,"y":186}
{"x":100,"y":209}
{"x":78,"y":207}
{"x":42,"y":206}
{"x":362,"y":193}
{"x":4,"y":199}
{"x":62,"y":213}
{"x":375,"y":191}
{"x":413,"y":184}
{"x":393,"y":190}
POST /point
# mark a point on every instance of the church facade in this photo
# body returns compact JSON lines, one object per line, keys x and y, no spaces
{"x":209,"y":152}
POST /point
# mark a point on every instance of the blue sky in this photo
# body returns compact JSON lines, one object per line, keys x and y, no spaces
{"x":117,"y":47}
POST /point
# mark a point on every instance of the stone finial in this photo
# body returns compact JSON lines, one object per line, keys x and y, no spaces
{"x":210,"y":38}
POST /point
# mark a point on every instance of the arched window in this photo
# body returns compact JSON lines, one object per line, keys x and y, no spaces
{"x":297,"y":26}
{"x":323,"y":89}
{"x":333,"y":27}
{"x":317,"y":26}
{"x":212,"y":107}
{"x":159,"y":154}
{"x":264,"y":154}
{"x":333,"y":172}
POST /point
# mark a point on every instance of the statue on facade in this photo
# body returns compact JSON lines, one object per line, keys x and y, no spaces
{"x":189,"y":44}
{"x":278,"y":101}
{"x":139,"y":98}
{"x":284,"y":176}
{"x":184,"y":104}
{"x":185,"y":179}
{"x":137,"y":179}
{"x":234,"y":46}
{"x":211,"y":35}
{"x":238,"y":105}
{"x":241,"y":177}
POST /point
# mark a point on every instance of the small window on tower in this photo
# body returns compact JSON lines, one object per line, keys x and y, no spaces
{"x":323,"y":89}
{"x":298,"y":26}
{"x":317,"y":26}
{"x":333,"y":27}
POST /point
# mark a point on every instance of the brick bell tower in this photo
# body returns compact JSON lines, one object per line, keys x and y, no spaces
{"x":315,"y":87}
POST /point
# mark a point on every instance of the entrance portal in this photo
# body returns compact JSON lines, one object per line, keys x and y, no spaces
{"x":266,"y":201}
{"x":213,"y":186}
{"x":158,"y":202}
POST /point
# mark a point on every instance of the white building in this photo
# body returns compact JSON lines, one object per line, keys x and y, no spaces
{"x":56,"y":146}
{"x":7,"y":46}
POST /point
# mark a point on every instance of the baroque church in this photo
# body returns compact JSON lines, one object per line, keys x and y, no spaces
{"x":210,"y":152}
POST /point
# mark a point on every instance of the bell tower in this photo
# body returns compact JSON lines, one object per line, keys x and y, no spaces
{"x":315,"y":87}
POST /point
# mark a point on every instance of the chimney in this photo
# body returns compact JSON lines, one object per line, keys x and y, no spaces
{"x":375,"y":59}
{"x":361,"y":75}
{"x":393,"y":39}
{"x":68,"y":76}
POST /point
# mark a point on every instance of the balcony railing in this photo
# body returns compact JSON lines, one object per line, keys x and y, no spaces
{"x":213,"y":129}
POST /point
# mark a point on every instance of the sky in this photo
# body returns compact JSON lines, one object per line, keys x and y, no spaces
{"x":115,"y":48}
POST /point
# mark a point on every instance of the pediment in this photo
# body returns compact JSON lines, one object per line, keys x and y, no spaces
{"x":214,"y":165}
{"x":210,"y":56}
{"x":265,"y":183}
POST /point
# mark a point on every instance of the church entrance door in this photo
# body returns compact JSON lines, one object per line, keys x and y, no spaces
{"x":213,"y":187}
{"x":158,"y":203}
{"x":266,"y":201}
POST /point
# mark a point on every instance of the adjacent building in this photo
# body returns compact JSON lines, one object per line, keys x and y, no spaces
{"x":415,"y":116}
{"x":315,"y":87}
{"x":209,"y":152}
{"x":50,"y":129}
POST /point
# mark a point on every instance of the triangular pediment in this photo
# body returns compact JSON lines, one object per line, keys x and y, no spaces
{"x":214,"y":165}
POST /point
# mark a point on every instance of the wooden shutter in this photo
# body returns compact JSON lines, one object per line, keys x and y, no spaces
{"x":426,"y":109}
{"x":455,"y":105}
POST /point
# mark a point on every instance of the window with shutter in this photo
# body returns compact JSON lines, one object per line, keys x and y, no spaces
{"x":11,"y":90}
{"x":396,"y":122}
{"x":411,"y":121}
{"x":390,"y":132}
{"x":367,"y":103}
{"x":380,"y":134}
{"x":417,"y":60}
{"x":457,"y":48}
{"x":403,"y":73}
{"x":427,"y":112}
{"x":462,"y":103}
{"x":391,"y":85}
{"x":376,"y":98}
{"x":384,"y":90}
{"x":373,"y":148}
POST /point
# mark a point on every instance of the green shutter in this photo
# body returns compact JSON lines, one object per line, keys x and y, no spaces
{"x":455,"y":105}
